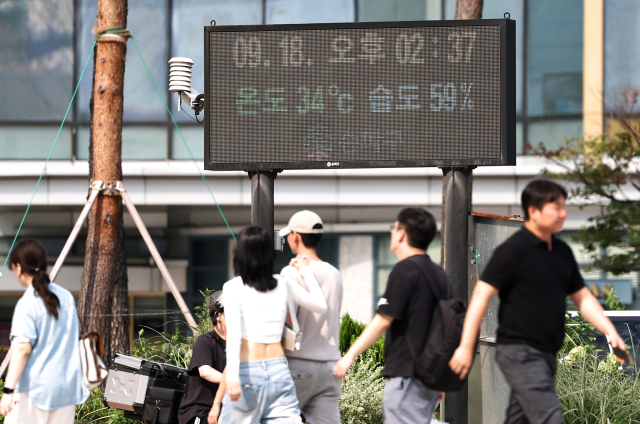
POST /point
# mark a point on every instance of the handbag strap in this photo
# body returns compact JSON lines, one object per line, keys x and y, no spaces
{"x":291,"y":307}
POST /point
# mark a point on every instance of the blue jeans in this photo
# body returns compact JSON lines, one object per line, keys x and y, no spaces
{"x":268,"y":395}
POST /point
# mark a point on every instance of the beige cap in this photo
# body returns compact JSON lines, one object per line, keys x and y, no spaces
{"x":304,"y":222}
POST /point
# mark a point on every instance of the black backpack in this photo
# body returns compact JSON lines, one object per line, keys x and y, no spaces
{"x":445,"y":332}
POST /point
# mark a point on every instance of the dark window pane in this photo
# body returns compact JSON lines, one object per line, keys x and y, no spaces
{"x":327,"y":251}
{"x":175,"y":319}
{"x":209,"y":252}
{"x":147,"y":20}
{"x":554,"y":61}
{"x":207,"y":280}
{"x":7,"y":305}
{"x":36,"y":59}
{"x":149,"y":315}
{"x":187,"y":22}
{"x":621,"y":48}
{"x":309,"y":11}
{"x":137,"y":247}
{"x":208,"y":266}
{"x":34,"y":142}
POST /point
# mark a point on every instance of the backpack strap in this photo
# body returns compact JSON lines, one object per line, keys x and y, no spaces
{"x":434,"y":290}
{"x":407,"y":337}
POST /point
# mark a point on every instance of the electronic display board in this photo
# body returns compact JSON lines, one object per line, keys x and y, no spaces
{"x":360,"y":95}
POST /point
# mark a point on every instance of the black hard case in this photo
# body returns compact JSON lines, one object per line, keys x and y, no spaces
{"x":146,"y":391}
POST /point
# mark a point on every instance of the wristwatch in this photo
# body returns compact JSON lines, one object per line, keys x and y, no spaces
{"x":7,"y":390}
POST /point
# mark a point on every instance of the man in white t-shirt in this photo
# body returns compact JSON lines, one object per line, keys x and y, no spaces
{"x":311,"y":367}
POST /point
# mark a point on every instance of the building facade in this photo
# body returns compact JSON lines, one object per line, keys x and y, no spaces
{"x":572,"y":58}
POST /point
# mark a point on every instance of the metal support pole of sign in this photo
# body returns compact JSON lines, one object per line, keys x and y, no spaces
{"x":155,"y":254}
{"x":262,"y":199}
{"x":456,"y":257}
{"x":96,"y":188}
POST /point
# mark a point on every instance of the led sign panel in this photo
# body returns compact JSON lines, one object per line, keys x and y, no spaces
{"x":429,"y":93}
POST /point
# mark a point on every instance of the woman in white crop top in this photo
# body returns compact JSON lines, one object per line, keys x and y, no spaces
{"x":258,"y":382}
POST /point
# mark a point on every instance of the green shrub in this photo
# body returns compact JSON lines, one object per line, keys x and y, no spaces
{"x":362,"y":392}
{"x":175,"y":349}
{"x":592,"y":387}
{"x":350,"y":330}
{"x":595,"y":391}
{"x":93,"y":411}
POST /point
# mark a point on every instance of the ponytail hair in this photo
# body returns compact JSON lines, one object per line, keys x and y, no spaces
{"x":31,"y":256}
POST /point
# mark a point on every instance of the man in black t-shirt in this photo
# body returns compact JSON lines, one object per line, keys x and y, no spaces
{"x":404,"y":311}
{"x":205,"y":369}
{"x":533,"y":272}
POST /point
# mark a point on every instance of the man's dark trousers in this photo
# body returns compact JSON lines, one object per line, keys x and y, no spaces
{"x":531,"y":375}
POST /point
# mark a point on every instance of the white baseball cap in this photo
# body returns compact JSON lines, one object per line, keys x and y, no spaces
{"x":304,"y":222}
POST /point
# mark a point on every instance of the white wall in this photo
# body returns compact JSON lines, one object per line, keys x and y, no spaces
{"x":356,"y":267}
{"x":141,"y":279}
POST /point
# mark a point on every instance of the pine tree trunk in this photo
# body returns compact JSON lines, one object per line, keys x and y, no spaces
{"x":103,"y":305}
{"x":469,"y":9}
{"x":465,"y":9}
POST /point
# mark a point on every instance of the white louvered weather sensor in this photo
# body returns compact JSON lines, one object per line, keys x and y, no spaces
{"x":180,"y":82}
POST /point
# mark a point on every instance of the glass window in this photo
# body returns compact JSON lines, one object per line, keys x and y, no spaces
{"x":82,"y":143}
{"x":495,"y":9}
{"x":187,"y":36}
{"x":554,"y":57}
{"x":34,"y":142}
{"x":553,"y":133}
{"x":86,"y":16}
{"x":519,"y":138}
{"x":194,"y":136}
{"x":309,"y":11}
{"x":385,"y":260}
{"x":392,"y":10}
{"x":208,"y":266}
{"x":138,"y":143}
{"x":36,"y":59}
{"x":450,"y":9}
{"x":147,"y":20}
{"x":149,"y":314}
{"x":8,"y":303}
{"x":327,"y":250}
{"x":621,"y":48}
{"x":144,"y":143}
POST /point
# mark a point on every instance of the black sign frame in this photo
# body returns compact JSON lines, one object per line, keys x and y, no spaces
{"x":507,"y":98}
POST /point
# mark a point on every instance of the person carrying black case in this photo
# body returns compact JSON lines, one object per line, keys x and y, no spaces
{"x":206,"y":366}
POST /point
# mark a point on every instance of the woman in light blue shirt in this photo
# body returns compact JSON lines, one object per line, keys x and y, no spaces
{"x":44,"y":382}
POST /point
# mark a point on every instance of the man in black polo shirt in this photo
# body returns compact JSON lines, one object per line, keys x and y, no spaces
{"x":533,"y":272}
{"x":404,"y":311}
{"x":205,"y":369}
